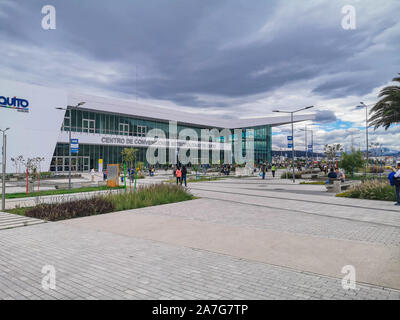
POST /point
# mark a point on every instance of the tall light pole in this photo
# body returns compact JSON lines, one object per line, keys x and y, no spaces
{"x":3,"y":185}
{"x":69,"y":137}
{"x":291,"y":119}
{"x":363,"y":105}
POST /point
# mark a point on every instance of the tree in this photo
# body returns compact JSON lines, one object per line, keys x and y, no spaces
{"x":17,"y":162}
{"x":352,"y":161}
{"x":387,"y":110}
{"x":129,"y":156}
{"x":331,"y":150}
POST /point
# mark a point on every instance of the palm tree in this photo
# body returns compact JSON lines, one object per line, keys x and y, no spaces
{"x":387,"y":110}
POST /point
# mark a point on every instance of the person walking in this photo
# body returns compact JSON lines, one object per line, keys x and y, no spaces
{"x":178,"y":175}
{"x":396,"y":181}
{"x":263,"y":169}
{"x":273,"y":169}
{"x":184,"y":173}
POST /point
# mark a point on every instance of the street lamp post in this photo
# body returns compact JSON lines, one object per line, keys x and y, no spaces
{"x":291,"y":118}
{"x":363,"y":105}
{"x":69,"y":137}
{"x":3,"y":185}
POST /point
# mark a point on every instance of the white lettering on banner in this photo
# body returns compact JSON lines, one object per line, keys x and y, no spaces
{"x":149,"y":141}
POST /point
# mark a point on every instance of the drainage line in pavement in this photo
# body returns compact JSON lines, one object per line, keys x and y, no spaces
{"x":311,"y":201}
{"x":306,"y":212}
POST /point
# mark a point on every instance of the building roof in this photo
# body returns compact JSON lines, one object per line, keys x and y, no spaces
{"x":147,"y":111}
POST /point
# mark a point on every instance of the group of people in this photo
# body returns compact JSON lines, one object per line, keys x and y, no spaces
{"x":226,"y":169}
{"x":151,"y":171}
{"x":336,"y":175}
{"x":180,"y":172}
{"x":264,"y":169}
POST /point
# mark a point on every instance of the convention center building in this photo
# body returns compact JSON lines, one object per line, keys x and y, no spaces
{"x":41,"y":120}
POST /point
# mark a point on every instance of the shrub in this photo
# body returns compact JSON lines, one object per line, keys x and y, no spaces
{"x":351,"y":162}
{"x":372,"y":190}
{"x":71,"y":209}
{"x":149,"y":196}
{"x":375,"y":169}
{"x":143,"y":197}
{"x":289,"y":175}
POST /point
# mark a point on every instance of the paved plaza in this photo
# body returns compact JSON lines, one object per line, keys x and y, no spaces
{"x":242,"y":239}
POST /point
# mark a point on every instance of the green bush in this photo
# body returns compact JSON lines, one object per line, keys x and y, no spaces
{"x":372,"y":190}
{"x":71,"y":209}
{"x":143,"y":197}
{"x":352,"y":162}
{"x":149,"y":196}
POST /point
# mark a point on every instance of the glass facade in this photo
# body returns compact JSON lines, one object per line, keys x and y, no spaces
{"x":94,"y":122}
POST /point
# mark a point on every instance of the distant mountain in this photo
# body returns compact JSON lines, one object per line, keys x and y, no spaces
{"x":297,"y":153}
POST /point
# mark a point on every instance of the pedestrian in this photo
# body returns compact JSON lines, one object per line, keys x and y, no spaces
{"x":340,"y":175}
{"x":263,"y":169}
{"x":273,"y":169}
{"x":132,"y":175}
{"x":178,"y":173}
{"x":396,"y":182}
{"x":104,"y":175}
{"x":184,"y":173}
{"x":92,"y":173}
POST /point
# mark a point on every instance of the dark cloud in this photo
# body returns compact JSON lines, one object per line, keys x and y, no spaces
{"x":190,"y":48}
{"x":325,"y":116}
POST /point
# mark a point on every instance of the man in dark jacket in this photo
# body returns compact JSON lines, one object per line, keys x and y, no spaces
{"x":396,"y":180}
{"x":184,"y":173}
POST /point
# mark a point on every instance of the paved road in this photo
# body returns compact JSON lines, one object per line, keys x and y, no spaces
{"x":243,"y":240}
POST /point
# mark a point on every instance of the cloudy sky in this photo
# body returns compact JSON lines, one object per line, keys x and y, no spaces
{"x":231,"y":58}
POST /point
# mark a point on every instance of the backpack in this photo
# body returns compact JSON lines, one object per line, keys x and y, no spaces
{"x":178,"y":173}
{"x":391,"y":178}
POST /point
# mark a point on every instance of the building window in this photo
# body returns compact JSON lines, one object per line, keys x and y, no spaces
{"x":88,"y":125}
{"x":124,"y":129}
{"x":67,"y":121}
{"x":141,"y":131}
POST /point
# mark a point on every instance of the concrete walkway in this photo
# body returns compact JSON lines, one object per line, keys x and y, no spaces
{"x":244,"y":239}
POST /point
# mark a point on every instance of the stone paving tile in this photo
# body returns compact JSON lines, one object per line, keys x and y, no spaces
{"x":256,"y":216}
{"x":99,"y":265}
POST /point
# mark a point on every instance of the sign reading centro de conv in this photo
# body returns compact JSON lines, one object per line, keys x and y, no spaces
{"x":18,"y":104}
{"x":167,"y":143}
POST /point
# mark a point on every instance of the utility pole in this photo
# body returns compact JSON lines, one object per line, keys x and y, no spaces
{"x":69,"y":142}
{"x":3,"y":184}
{"x":363,"y":105}
{"x":292,"y":121}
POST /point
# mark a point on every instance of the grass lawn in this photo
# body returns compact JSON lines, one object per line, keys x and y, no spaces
{"x":57,"y":192}
{"x":313,"y":182}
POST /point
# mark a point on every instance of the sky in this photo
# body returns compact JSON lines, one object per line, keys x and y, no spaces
{"x":228,"y":58}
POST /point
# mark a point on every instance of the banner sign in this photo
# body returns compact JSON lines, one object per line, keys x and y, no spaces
{"x":74,"y":145}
